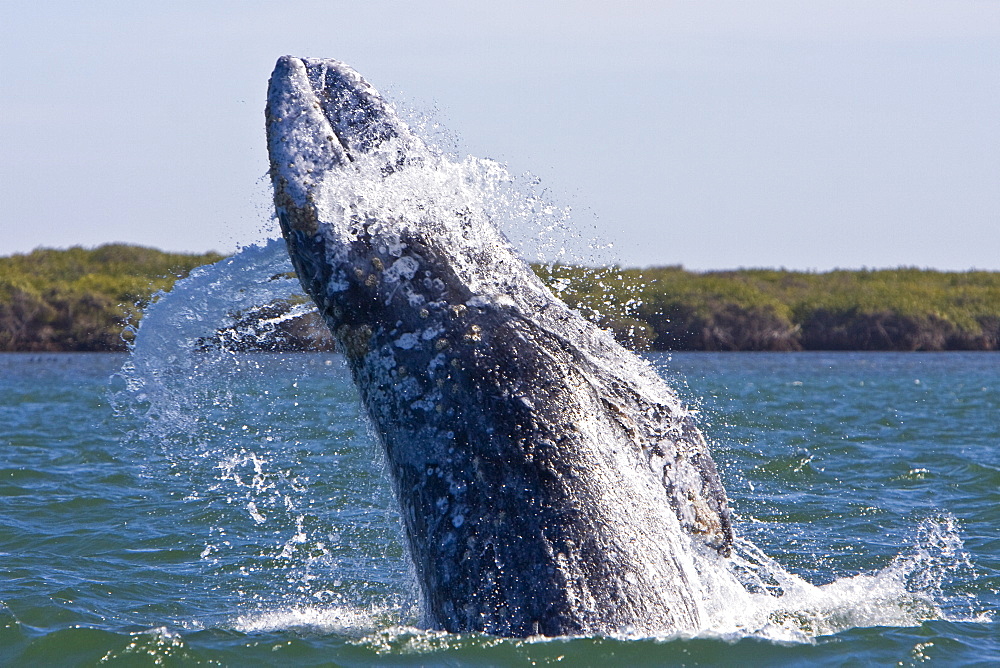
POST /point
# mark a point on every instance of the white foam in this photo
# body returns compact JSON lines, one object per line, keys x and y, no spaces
{"x":775,"y":604}
{"x":341,"y":620}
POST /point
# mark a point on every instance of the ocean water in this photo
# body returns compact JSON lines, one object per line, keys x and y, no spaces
{"x":231,"y":509}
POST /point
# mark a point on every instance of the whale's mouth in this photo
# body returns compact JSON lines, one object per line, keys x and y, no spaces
{"x":327,"y":102}
{"x":322,"y":116}
{"x":360,"y":119}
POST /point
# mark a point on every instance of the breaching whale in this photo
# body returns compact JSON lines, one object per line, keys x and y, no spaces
{"x":549,"y":481}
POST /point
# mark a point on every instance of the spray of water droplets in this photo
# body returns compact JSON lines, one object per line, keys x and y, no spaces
{"x":259,"y":460}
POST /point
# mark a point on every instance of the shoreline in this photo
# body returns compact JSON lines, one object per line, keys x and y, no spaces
{"x":80,"y":300}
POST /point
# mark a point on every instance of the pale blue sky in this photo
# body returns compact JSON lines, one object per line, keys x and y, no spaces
{"x":808,"y":135}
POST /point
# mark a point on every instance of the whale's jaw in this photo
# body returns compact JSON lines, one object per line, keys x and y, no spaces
{"x":548,"y":481}
{"x":321,"y":115}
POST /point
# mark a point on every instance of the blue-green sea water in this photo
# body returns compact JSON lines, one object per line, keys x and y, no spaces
{"x":237,"y":513}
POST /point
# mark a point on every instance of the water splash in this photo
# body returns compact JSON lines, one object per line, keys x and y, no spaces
{"x":914,"y":588}
{"x":160,"y":380}
{"x":190,"y":396}
{"x":212,"y":416}
{"x":196,"y":400}
{"x":772,"y":604}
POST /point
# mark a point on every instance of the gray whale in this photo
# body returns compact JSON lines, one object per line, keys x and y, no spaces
{"x":549,"y":482}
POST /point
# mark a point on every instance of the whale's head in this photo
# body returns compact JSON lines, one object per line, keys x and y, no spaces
{"x":322,"y":117}
{"x":375,"y":221}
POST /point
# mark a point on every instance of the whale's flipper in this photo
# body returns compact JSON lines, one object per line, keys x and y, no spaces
{"x":549,"y":481}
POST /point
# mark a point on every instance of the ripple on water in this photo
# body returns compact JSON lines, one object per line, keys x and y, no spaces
{"x":111,"y":535}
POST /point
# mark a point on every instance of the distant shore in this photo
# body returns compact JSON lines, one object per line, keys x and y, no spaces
{"x":88,"y":300}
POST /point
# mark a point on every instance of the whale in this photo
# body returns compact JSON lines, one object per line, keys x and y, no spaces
{"x":549,"y":482}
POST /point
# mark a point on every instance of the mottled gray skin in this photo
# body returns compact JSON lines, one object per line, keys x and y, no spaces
{"x":548,"y":481}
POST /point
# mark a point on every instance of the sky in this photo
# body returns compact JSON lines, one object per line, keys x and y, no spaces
{"x":774,"y":133}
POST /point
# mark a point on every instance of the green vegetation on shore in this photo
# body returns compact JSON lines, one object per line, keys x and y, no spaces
{"x":82,"y":300}
{"x":762,"y":309}
{"x":78,"y":299}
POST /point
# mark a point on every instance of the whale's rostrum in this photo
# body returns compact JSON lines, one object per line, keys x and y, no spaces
{"x":549,"y":481}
